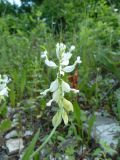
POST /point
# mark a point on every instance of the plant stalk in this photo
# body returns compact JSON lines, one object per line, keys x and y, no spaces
{"x":44,"y":143}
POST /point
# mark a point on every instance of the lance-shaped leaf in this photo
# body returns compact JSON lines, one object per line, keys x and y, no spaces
{"x":57,"y":119}
{"x":29,"y":150}
{"x":65,"y":117}
{"x":67,"y":105}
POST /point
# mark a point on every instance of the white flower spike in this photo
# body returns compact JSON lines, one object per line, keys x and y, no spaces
{"x":60,"y":87}
{"x":4,"y":80}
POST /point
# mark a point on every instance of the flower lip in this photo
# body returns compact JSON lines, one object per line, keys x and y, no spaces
{"x":50,"y":63}
{"x":54,"y":86}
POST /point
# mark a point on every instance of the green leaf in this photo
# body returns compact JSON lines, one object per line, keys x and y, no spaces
{"x":65,"y":117}
{"x":77,"y":113}
{"x":67,"y":105}
{"x":5,"y":125}
{"x":57,"y":119}
{"x":91,"y":122}
{"x":29,"y":150}
{"x":107,"y":148}
{"x":3,"y":110}
{"x":97,"y":152}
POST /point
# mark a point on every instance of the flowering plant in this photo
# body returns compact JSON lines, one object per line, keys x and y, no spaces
{"x":4,"y":80}
{"x":59,"y":87}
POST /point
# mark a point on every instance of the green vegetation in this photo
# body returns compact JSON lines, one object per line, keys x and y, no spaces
{"x":93,"y":27}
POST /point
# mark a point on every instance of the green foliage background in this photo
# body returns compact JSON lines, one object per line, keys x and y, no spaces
{"x":93,"y":26}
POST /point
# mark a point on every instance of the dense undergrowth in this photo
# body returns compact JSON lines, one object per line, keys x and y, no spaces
{"x":94,"y":29}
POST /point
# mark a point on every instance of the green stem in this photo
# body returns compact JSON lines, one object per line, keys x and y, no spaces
{"x":45,"y":142}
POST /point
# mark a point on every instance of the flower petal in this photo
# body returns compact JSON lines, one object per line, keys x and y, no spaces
{"x":56,"y":95}
{"x":74,"y":90}
{"x":49,"y":103}
{"x":65,"y":86}
{"x":60,"y":49}
{"x":66,"y":58}
{"x":44,"y":54}
{"x":69,"y":69}
{"x":54,"y":86}
{"x":65,"y":63}
{"x":78,"y":60}
{"x":4,"y":92}
{"x":44,"y":93}
{"x":72,"y":67}
{"x":50,"y":63}
{"x":72,"y":48}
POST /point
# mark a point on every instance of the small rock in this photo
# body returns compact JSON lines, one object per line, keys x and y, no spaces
{"x":14,"y":145}
{"x":82,"y":150}
{"x":10,"y":110}
{"x":15,"y":122}
{"x":3,"y":156}
{"x":11,"y":134}
{"x":106,"y":129}
{"x":16,"y":116}
{"x":28,"y":133}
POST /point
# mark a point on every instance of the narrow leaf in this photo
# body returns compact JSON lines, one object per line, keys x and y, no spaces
{"x":65,"y":117}
{"x":67,"y":105}
{"x":57,"y":119}
{"x":29,"y":150}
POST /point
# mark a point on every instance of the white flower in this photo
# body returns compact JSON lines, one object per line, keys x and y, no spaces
{"x":50,"y":102}
{"x":60,"y":49}
{"x":65,"y":59}
{"x":44,"y":54}
{"x":3,"y":86}
{"x":65,"y":87}
{"x":4,"y":92}
{"x":50,"y":63}
{"x":72,"y":48}
{"x":74,"y":90}
{"x":59,"y":87}
{"x":54,"y":86}
{"x":6,"y":79}
{"x":115,"y":10}
{"x":78,"y":60}
{"x":69,"y":69}
{"x":45,"y":92}
{"x":56,"y":95}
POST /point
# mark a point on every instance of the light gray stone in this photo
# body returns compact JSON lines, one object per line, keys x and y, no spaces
{"x":28,"y":133}
{"x":11,"y":134}
{"x":14,"y":145}
{"x":106,"y":129}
